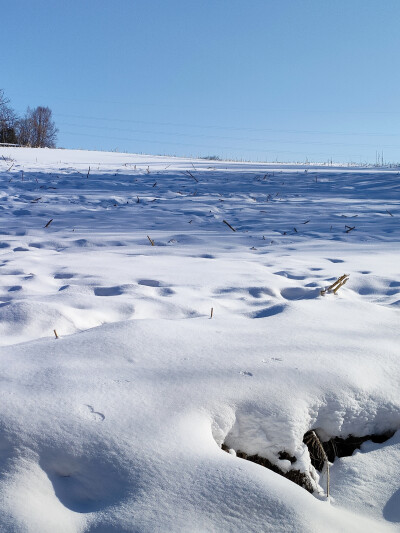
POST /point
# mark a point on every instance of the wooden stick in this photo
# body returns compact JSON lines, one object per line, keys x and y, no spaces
{"x":151,"y":240}
{"x":55,"y":333}
{"x":88,"y":172}
{"x":227,"y":223}
{"x":212,"y":312}
{"x":48,"y":223}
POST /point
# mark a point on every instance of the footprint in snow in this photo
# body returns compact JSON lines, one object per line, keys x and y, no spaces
{"x":96,"y":414}
{"x":15,"y":288}
{"x":334,"y":260}
{"x":108,"y":291}
{"x":245,"y":373}
{"x":63,"y":275}
{"x":149,"y":282}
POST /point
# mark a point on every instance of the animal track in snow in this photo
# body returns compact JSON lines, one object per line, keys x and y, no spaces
{"x":289,"y":275}
{"x":299,"y":293}
{"x":149,"y":282}
{"x":269,"y":311}
{"x":259,"y":292}
{"x":335,"y":260}
{"x":63,"y":275}
{"x":109,"y":291}
{"x":166,"y":291}
{"x":96,"y":414}
{"x":15,"y":288}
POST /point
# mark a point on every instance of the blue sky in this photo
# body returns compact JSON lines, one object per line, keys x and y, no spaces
{"x":258,"y":79}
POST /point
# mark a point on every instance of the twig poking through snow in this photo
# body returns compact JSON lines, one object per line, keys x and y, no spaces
{"x":336,"y":285}
{"x":227,"y":223}
{"x":191,"y":175}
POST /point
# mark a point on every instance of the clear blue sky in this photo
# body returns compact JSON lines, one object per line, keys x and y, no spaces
{"x":254,"y":79}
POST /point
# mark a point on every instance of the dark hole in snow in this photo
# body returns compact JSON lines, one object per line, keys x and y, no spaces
{"x":339,"y":447}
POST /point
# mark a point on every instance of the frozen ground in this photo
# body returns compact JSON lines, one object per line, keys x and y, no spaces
{"x":117,"y":425}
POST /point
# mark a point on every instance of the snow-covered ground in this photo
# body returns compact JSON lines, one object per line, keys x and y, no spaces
{"x":117,"y":425}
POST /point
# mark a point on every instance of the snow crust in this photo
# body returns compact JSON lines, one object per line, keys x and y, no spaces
{"x":116,"y":426}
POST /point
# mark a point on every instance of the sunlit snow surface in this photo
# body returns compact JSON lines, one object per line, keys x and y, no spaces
{"x":116,"y":426}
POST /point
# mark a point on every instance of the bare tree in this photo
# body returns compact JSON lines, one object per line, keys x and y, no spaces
{"x":8,"y":121}
{"x":3,"y":99}
{"x":24,"y":131}
{"x":37,"y":128}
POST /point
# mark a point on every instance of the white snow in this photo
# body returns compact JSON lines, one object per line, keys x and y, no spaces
{"x":116,"y":426}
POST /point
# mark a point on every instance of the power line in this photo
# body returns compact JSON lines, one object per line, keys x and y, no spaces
{"x":261,"y":150}
{"x":231,"y":128}
{"x":270,"y":141}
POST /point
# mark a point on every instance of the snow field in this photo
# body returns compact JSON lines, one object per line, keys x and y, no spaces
{"x":117,"y":425}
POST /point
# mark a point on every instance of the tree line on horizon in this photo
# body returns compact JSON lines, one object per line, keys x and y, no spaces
{"x":36,"y":128}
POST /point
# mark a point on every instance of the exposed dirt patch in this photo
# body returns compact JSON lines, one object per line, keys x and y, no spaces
{"x":300,"y":478}
{"x":334,"y":447}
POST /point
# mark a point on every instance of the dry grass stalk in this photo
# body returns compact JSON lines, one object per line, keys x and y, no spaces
{"x":227,"y":223}
{"x":48,"y":223}
{"x":336,"y":285}
{"x":191,"y":175}
{"x":151,"y":240}
{"x":88,"y":172}
{"x":212,"y":312}
{"x":349,"y":228}
{"x":312,"y":440}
